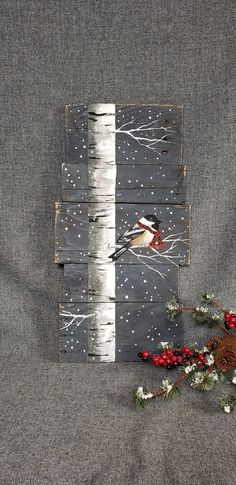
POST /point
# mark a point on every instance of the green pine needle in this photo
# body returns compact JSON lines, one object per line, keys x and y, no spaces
{"x":171,"y":308}
{"x":208,"y":299}
{"x":139,"y":403}
{"x":228,"y":399}
{"x":204,"y":381}
{"x":170,"y":345}
{"x":172,"y":395}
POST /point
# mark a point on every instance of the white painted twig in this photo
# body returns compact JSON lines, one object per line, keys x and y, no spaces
{"x":74,"y":317}
{"x":145,"y":141}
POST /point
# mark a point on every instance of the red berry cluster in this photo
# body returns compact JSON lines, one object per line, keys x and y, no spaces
{"x":170,"y":358}
{"x":230,"y":320}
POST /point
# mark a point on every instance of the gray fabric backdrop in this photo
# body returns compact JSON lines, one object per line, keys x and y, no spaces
{"x":74,"y":424}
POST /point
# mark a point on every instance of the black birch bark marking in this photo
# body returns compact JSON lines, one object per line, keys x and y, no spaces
{"x":101,"y":275}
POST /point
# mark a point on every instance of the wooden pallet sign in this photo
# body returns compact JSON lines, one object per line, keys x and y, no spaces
{"x":121,"y":230}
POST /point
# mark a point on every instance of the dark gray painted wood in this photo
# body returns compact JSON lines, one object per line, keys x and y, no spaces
{"x":148,"y":134}
{"x":148,"y":177}
{"x":73,"y":341}
{"x":137,"y":196}
{"x":134,"y":283}
{"x":72,"y":231}
{"x":138,"y":327}
{"x":76,"y":133}
{"x":174,"y":226}
{"x":142,"y":327}
{"x":134,"y":183}
{"x":75,"y":182}
{"x":152,"y":121}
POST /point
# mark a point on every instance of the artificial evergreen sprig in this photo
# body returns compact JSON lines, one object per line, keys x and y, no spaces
{"x":168,"y":390}
{"x":228,"y":402}
{"x":204,"y":369}
{"x":172,"y":308}
{"x":208,"y":299}
{"x":205,"y":380}
{"x":209,"y":312}
{"x":228,"y":399}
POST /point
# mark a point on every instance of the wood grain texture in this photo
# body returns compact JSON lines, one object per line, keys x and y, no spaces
{"x":144,"y":134}
{"x":73,"y":231}
{"x":122,"y":163}
{"x":133,"y":183}
{"x":149,"y":134}
{"x":137,"y":327}
{"x":76,"y":134}
{"x":133,"y":283}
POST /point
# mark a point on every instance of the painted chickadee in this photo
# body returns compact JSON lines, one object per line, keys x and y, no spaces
{"x":145,"y":233}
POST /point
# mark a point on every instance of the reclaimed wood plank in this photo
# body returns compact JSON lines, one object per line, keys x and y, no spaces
{"x":75,"y":236}
{"x":137,"y":326}
{"x":144,"y":134}
{"x":75,"y":182}
{"x":71,"y":232}
{"x":134,"y":282}
{"x":148,"y":134}
{"x":76,"y":134}
{"x":133,"y":183}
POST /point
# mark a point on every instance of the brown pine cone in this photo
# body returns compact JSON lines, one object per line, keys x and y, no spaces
{"x":213,"y":343}
{"x":224,"y":350}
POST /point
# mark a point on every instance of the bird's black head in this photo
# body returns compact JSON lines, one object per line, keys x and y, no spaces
{"x":154,"y":220}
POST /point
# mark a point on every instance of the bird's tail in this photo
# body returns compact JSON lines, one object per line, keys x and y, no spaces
{"x":114,"y":256}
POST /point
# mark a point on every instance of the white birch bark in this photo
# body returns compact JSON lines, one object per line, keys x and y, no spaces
{"x":102,"y":181}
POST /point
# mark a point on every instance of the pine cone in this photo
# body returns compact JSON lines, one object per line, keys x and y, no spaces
{"x":224,"y":350}
{"x":213,"y":343}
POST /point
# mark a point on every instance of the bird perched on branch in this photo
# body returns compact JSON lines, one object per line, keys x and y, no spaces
{"x":144,"y":233}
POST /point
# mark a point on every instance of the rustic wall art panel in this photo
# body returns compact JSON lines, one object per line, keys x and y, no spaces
{"x":121,"y":230}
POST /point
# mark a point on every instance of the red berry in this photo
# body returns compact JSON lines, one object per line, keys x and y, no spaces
{"x":173,"y":358}
{"x":164,"y":356}
{"x":161,"y":361}
{"x":201,"y":356}
{"x":156,"y":363}
{"x":186,"y":350}
{"x":169,"y":352}
{"x":179,"y":360}
{"x":145,"y":355}
{"x":230,"y":325}
{"x":227,"y":316}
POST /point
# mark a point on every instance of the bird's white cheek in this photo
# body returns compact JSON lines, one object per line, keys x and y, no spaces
{"x":144,"y":221}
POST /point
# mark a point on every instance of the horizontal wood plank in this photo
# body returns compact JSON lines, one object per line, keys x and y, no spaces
{"x":144,"y":134}
{"x":134,"y":184}
{"x":72,"y":232}
{"x":149,"y":134}
{"x":76,"y":134}
{"x":136,"y":282}
{"x":138,"y":326}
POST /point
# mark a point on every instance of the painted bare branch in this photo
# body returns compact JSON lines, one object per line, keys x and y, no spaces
{"x":140,"y":133}
{"x":73,"y":317}
{"x":168,"y":254}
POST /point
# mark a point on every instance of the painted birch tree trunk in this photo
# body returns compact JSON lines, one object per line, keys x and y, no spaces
{"x":101,"y":272}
